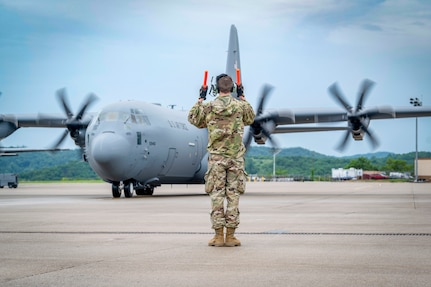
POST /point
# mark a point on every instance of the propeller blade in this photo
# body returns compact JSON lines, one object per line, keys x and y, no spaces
{"x":90,"y":99}
{"x":249,"y":137}
{"x":373,"y":139}
{"x":364,"y":90}
{"x":265,"y":92}
{"x":275,"y":148}
{"x":342,"y":145}
{"x":61,"y":96}
{"x":61,"y":139}
{"x":336,"y":93}
{"x":257,"y":126}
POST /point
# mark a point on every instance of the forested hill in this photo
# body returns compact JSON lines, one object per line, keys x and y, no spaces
{"x":302,"y":162}
{"x":47,"y":166}
{"x":259,"y":160}
{"x":254,"y":151}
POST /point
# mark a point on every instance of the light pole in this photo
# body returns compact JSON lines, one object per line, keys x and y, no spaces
{"x":416,"y":103}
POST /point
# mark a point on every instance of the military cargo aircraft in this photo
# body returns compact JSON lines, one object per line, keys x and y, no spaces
{"x":136,"y":146}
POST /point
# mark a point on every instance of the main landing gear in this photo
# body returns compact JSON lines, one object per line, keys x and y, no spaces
{"x":129,"y":187}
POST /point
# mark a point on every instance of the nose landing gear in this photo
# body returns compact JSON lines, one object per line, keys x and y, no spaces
{"x":129,"y":187}
{"x":118,"y":187}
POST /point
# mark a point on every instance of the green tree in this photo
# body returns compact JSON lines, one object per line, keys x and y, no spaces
{"x":397,"y":165}
{"x":361,"y":163}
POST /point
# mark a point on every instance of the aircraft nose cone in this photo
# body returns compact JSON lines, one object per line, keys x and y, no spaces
{"x":109,"y":147}
{"x":110,"y":153}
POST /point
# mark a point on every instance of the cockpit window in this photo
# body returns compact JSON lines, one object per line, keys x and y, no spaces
{"x":113,"y":116}
{"x":139,"y":117}
{"x":135,"y":116}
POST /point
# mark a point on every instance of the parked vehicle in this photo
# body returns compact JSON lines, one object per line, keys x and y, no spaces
{"x":9,"y":179}
{"x":405,"y":175}
{"x":346,"y":174}
{"x":375,"y":176}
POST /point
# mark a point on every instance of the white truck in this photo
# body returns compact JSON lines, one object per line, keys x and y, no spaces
{"x":9,"y":179}
{"x":346,"y":174}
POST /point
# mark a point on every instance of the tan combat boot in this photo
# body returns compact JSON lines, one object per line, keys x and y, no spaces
{"x":231,"y":241}
{"x":218,"y":239}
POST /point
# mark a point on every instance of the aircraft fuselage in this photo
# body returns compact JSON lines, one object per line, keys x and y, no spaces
{"x":145,"y":144}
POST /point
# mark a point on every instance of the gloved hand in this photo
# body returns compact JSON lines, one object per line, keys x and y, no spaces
{"x":239,"y":90}
{"x":203,"y":92}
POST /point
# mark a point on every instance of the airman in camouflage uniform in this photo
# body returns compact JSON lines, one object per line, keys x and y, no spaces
{"x":225,"y":118}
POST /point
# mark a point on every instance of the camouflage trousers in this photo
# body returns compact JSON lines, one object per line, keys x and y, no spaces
{"x":225,"y":179}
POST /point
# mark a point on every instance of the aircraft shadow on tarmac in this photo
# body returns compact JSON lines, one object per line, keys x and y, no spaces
{"x":159,"y":196}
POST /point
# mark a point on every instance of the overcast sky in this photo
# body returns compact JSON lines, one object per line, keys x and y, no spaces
{"x":156,"y":51}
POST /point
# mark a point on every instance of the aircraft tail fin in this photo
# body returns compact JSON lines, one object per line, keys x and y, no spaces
{"x":233,"y":59}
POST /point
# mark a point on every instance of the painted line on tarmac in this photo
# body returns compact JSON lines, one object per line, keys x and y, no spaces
{"x":245,"y":233}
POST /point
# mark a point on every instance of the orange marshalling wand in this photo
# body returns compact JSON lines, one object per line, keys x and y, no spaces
{"x":205,"y":78}
{"x":238,"y":77}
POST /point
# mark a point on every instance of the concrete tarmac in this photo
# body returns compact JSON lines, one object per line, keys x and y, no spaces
{"x":292,"y":233}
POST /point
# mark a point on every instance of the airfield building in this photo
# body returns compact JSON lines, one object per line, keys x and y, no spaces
{"x":424,"y":169}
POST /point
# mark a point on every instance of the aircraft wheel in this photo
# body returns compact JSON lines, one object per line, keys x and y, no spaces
{"x":128,"y":190}
{"x":116,"y":191}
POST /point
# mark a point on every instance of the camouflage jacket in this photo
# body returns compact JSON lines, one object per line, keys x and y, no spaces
{"x":225,"y":118}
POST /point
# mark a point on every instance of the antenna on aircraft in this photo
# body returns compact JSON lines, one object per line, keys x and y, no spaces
{"x":172,"y":106}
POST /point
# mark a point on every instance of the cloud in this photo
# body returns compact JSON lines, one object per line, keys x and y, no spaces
{"x":371,"y":27}
{"x":157,"y":50}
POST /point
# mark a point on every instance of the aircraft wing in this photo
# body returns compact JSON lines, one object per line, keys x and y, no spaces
{"x":290,"y":116}
{"x":293,"y":121}
{"x":9,"y":123}
{"x":35,"y":120}
{"x":304,"y":129}
{"x":16,"y":151}
{"x":399,"y":112}
{"x":75,"y":124}
{"x":308,"y":116}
